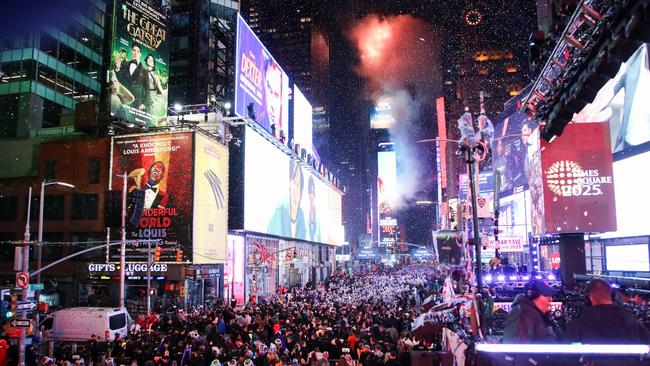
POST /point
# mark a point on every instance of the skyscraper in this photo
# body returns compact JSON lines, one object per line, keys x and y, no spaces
{"x":202,"y":51}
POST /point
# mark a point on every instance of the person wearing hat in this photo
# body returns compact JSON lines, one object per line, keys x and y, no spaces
{"x":605,"y":322}
{"x":528,"y":321}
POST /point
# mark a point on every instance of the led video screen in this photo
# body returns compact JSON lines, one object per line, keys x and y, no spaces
{"x":623,"y":102}
{"x":514,"y":219}
{"x":302,"y":121}
{"x":283,"y":198}
{"x":578,"y":180}
{"x":628,"y":258}
{"x":260,"y":80}
{"x":630,"y":189}
{"x":386,"y":196}
{"x":381,"y":115}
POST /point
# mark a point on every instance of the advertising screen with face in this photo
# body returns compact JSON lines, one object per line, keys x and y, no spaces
{"x":578,"y":180}
{"x":159,"y":167}
{"x":282,"y":197}
{"x":623,"y":102}
{"x":302,"y":121}
{"x":260,"y":80}
{"x":139,"y":69}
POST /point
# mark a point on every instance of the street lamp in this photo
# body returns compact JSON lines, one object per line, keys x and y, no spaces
{"x":39,"y":251}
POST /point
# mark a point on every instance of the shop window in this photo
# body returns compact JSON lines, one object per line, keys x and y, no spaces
{"x":94,"y":170}
{"x":84,"y":206}
{"x":8,"y":208}
{"x":50,"y":170}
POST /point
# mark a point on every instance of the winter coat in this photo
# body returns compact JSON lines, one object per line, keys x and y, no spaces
{"x":607,"y":324}
{"x":527,"y":324}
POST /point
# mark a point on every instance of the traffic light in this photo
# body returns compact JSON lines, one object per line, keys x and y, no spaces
{"x":179,"y":255}
{"x":13,"y":307}
{"x":156,"y":254}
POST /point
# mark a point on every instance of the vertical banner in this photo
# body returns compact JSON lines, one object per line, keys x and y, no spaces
{"x":234,"y":278}
{"x":159,"y":169}
{"x":578,"y":180}
{"x":386,"y":195}
{"x":139,"y":71}
{"x":442,"y":134}
{"x":210,"y":200}
{"x":260,"y":81}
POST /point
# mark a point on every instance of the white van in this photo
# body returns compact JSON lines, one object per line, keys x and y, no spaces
{"x":79,"y":324}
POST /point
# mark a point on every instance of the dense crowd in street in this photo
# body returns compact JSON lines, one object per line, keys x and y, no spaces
{"x":364,"y":319}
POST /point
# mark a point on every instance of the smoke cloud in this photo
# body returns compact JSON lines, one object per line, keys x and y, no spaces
{"x":397,"y":57}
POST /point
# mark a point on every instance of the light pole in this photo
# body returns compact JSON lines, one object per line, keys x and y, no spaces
{"x":39,"y":250}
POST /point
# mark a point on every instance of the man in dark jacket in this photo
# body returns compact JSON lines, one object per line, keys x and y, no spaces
{"x":605,"y":322}
{"x":528,"y":321}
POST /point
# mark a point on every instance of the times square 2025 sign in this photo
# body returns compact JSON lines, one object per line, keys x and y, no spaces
{"x":578,"y":180}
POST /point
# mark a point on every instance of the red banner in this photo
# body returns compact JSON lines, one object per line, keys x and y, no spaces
{"x":578,"y":180}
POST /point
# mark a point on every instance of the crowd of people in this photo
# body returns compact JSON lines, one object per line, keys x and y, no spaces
{"x":363,"y":318}
{"x":355,"y":318}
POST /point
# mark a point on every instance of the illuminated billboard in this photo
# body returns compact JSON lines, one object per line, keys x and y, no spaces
{"x":485,"y":199}
{"x":386,"y":197}
{"x":234,"y":280}
{"x":578,"y":180}
{"x":514,"y":217}
{"x":631,"y":196}
{"x":381,"y":114}
{"x":282,"y":197}
{"x":210,"y":200}
{"x":260,"y":81}
{"x":623,"y":102}
{"x":302,"y":121}
{"x":160,"y":166}
{"x":139,"y":68}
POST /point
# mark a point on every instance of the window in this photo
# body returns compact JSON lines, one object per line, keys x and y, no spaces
{"x":47,"y":323}
{"x":50,"y":170}
{"x":84,"y":206}
{"x":94,"y":169}
{"x":8,"y":208}
{"x":52,"y":208}
{"x":117,"y":321}
{"x":6,"y":250}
